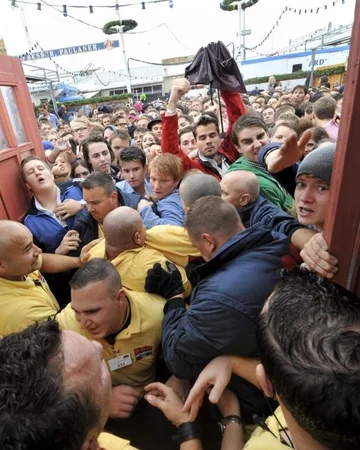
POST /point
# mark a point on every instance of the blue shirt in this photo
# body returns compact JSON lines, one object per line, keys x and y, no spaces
{"x":169,"y":211}
{"x":124,"y":186}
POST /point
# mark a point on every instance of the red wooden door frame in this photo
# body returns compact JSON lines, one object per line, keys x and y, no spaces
{"x":14,"y":196}
{"x":342,"y":224}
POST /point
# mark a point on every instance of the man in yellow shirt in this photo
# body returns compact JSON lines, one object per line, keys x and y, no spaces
{"x":127,"y":324}
{"x":125,"y":235}
{"x":25,"y":297}
{"x":64,"y":379}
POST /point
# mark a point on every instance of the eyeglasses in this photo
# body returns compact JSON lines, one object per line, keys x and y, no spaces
{"x":80,"y":129}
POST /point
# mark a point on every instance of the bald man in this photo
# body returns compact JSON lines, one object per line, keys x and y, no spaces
{"x":197,"y":185}
{"x":25,"y":297}
{"x":241,"y":189}
{"x":124,"y":245}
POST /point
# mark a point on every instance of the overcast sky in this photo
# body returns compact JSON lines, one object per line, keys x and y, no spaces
{"x":194,"y":23}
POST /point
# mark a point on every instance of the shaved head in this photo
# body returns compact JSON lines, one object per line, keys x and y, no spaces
{"x":11,"y":233}
{"x":240,"y":188}
{"x":18,"y":254}
{"x":198,"y":185}
{"x":123,"y":229}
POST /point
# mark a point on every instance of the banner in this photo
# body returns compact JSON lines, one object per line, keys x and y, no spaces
{"x":75,"y":50}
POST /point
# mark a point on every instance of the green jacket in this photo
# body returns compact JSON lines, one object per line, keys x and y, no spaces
{"x":269,"y":187}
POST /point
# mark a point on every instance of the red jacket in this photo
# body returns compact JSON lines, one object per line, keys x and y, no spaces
{"x":169,"y":139}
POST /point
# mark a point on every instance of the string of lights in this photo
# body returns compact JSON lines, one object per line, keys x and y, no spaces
{"x":299,"y":11}
{"x":89,"y":7}
{"x":65,"y":13}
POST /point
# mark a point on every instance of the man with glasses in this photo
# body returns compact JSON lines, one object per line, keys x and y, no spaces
{"x":80,"y":130}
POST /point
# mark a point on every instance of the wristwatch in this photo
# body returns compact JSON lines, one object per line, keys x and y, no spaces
{"x":82,"y":203}
{"x":232,"y":418}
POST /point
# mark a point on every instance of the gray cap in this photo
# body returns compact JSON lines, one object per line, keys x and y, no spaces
{"x":319,"y":162}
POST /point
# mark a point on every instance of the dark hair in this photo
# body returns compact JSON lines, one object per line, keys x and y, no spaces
{"x":318,"y":134}
{"x":247,"y":121}
{"x":185,"y":130}
{"x":121,"y":134}
{"x":141,"y":130}
{"x":284,"y":109}
{"x":132,"y":154}
{"x":300,"y":86}
{"x":121,"y":108}
{"x":75,"y":164}
{"x":205,"y":120}
{"x":97,"y":270}
{"x":44,"y":106}
{"x":37,"y":410}
{"x":324,"y":108}
{"x":187,"y":118}
{"x":316,"y":97}
{"x":309,"y":341}
{"x":94,"y":140}
{"x":337,"y":96}
{"x":100,"y":179}
{"x":112,"y":128}
{"x":212,"y":214}
{"x":292,"y":125}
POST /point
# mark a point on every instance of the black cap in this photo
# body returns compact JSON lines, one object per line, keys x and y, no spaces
{"x":154,"y":122}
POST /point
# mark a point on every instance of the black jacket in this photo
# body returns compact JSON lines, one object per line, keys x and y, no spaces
{"x":87,"y":226}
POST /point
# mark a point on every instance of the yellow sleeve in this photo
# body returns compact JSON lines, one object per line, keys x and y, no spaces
{"x":98,"y":251}
{"x":173,"y":242}
{"x":67,"y":321}
{"x":108,"y":441}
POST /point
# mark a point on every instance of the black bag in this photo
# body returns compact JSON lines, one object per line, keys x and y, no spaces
{"x":213,"y":65}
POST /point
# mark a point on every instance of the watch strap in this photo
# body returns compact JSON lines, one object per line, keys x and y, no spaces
{"x":189,"y":431}
{"x":232,"y":418}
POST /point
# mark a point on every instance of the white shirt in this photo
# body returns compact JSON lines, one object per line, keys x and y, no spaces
{"x":40,"y":208}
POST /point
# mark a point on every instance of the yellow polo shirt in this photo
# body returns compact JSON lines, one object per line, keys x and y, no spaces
{"x":108,"y":441}
{"x":22,"y":303}
{"x":140,"y":341}
{"x":262,"y":439}
{"x":133,"y":265}
{"x":173,"y":242}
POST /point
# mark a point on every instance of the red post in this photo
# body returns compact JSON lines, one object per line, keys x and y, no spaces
{"x":342,"y":225}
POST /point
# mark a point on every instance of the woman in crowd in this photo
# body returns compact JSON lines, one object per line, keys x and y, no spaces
{"x":148,"y":139}
{"x":61,"y":169}
{"x":317,"y":135}
{"x":109,"y":131}
{"x":79,"y":169}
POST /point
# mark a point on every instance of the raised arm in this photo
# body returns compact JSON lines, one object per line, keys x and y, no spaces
{"x":169,"y":139}
{"x":235,"y":108}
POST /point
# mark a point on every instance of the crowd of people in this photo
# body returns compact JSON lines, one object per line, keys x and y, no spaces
{"x":171,"y":274}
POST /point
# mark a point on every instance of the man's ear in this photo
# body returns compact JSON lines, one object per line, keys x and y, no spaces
{"x":244,"y":200}
{"x":264,"y":382}
{"x":114,"y":196}
{"x":121,"y":297}
{"x":137,"y":238}
{"x":209,"y":241}
{"x":90,"y":443}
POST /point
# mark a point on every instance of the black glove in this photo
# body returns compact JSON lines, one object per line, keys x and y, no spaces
{"x":166,"y":284}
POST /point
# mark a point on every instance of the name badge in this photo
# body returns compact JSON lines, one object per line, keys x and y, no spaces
{"x":119,"y":362}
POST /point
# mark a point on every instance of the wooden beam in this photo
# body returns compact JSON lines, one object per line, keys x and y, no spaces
{"x":342,"y":224}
